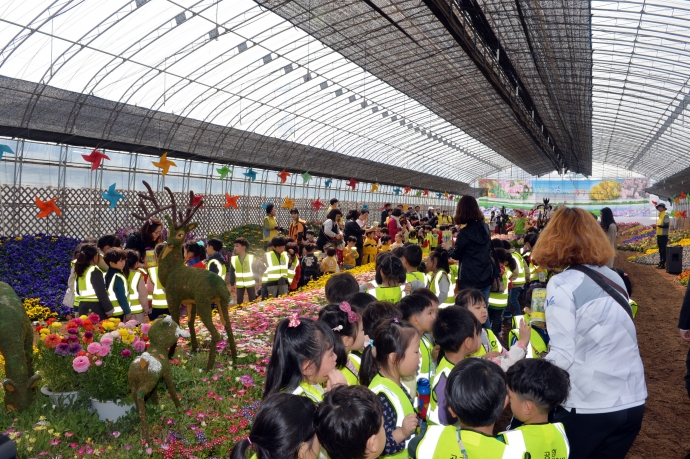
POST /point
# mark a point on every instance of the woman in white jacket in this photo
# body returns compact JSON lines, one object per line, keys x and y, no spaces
{"x":592,"y":337}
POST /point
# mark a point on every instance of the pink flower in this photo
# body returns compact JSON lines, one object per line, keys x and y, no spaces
{"x":106,"y":340}
{"x":139,"y":346}
{"x":105,"y":350}
{"x":126,"y":353}
{"x":55,"y":442}
{"x":116,"y":434}
{"x":94,"y":319}
{"x":131,"y":323}
{"x":115,"y":334}
{"x":81,"y":364}
{"x":99,"y":363}
{"x":145,"y":328}
{"x":93,"y":348}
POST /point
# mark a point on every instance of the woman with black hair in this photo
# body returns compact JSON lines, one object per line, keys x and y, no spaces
{"x":608,"y":224}
{"x":352,"y":228}
{"x":150,"y":235}
{"x":330,"y":230}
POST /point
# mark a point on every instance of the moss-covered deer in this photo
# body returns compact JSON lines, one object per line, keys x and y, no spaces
{"x":183,"y":284}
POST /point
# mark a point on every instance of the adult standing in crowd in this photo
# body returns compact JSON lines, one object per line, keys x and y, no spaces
{"x":394,"y":226}
{"x":684,"y":326}
{"x":270,"y":225}
{"x":363,"y":217}
{"x":384,"y":213}
{"x":662,"y":226}
{"x":433,"y":218}
{"x":330,"y":230}
{"x":608,"y":224}
{"x":592,"y":337}
{"x":352,"y":228}
{"x":472,"y":247}
{"x":150,"y":235}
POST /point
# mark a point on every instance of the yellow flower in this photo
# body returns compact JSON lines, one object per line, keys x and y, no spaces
{"x":56,"y":325}
{"x":115,"y":320}
{"x":108,"y":326}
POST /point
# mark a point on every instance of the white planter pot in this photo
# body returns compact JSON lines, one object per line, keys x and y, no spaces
{"x":111,"y":410}
{"x":60,"y":398}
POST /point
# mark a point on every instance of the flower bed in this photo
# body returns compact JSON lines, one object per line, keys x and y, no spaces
{"x":217,"y":407}
{"x":683,"y":277}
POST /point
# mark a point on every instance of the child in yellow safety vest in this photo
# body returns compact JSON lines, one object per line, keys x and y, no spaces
{"x":538,"y":344}
{"x":136,"y":286}
{"x":535,"y":387}
{"x":350,"y":416}
{"x":393,"y":355}
{"x":384,"y":243}
{"x":439,"y":277}
{"x":498,"y":296}
{"x":116,"y":282}
{"x":473,"y":300}
{"x":302,"y":359}
{"x":159,"y":303}
{"x":419,"y":311}
{"x":283,"y":427}
{"x":390,"y":279}
{"x":476,"y":391}
{"x":411,"y":259}
{"x":349,"y":337}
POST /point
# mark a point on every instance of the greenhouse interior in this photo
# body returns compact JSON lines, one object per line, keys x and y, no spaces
{"x":447,"y":217}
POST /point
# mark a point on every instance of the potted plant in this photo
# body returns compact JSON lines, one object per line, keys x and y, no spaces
{"x":57,"y":347}
{"x":105,"y":364}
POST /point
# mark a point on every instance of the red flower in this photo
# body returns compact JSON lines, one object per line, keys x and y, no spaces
{"x":81,"y":353}
{"x":145,"y":338}
{"x":52,"y":340}
{"x":88,"y":326}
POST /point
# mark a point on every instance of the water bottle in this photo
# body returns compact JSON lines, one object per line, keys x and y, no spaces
{"x":424,"y":394}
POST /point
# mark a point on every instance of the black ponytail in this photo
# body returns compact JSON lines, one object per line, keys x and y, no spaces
{"x":338,"y":321}
{"x":440,"y":255}
{"x":392,"y":336}
{"x":86,"y":254}
{"x":389,"y":266}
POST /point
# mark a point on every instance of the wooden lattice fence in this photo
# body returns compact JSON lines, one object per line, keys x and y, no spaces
{"x":86,"y":214}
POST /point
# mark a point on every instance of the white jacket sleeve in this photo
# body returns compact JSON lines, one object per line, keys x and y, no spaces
{"x":328,"y":228}
{"x":561,"y":324}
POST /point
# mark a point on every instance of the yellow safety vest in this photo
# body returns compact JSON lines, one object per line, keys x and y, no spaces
{"x":276,"y":268}
{"x":415,"y":275}
{"x":158,"y":299}
{"x":244,"y":276}
{"x":117,"y":309}
{"x":312,"y":391}
{"x":222,"y":269}
{"x":444,"y":442}
{"x":521,"y":278}
{"x":426,"y":365}
{"x":433,"y":414}
{"x":659,"y":230}
{"x":499,"y":300}
{"x":133,"y":286}
{"x":454,"y":273}
{"x":389,"y":294}
{"x":536,"y":346}
{"x":399,"y":399}
{"x":489,"y":344}
{"x":85,"y":291}
{"x":436,"y":288}
{"x":545,"y":440}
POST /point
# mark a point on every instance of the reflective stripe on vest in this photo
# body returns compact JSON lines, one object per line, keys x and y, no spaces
{"x":275,"y":268}
{"x":415,"y":275}
{"x":401,"y":404}
{"x":499,"y":300}
{"x":439,"y":442}
{"x":117,"y":309}
{"x":222,"y":269}
{"x":436,"y":287}
{"x":389,"y":294}
{"x":356,"y":360}
{"x":433,"y":413}
{"x":292,"y":270}
{"x":426,"y":366}
{"x":133,"y":290}
{"x":85,"y":291}
{"x":244,"y":276}
{"x":158,"y":299}
{"x":542,"y":439}
{"x":520,"y":279}
{"x":315,"y":393}
{"x":536,"y":346}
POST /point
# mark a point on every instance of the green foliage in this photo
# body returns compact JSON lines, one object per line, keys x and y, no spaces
{"x":252,"y":233}
{"x":56,"y":370}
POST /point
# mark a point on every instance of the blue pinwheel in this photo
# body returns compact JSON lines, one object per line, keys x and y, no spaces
{"x":250,"y":174}
{"x":112,"y":196}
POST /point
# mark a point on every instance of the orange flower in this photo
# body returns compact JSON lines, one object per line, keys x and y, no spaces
{"x":81,"y":353}
{"x":52,"y":340}
{"x":88,"y":326}
{"x":71,"y":324}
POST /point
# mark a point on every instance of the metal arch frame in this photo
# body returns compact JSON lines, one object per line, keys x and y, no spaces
{"x":430,"y":149}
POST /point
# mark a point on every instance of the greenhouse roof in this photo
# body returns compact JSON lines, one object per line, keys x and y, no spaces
{"x":453,"y":90}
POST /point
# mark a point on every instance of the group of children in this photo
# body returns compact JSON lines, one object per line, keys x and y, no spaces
{"x":390,"y":369}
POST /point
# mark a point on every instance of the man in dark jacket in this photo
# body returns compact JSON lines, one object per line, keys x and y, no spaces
{"x":384,"y":213}
{"x":684,"y":326}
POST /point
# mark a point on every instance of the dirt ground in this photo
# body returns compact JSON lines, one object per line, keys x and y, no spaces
{"x":666,"y":422}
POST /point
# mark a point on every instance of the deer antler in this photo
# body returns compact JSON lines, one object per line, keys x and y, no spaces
{"x":151,"y":197}
{"x":190,"y":211}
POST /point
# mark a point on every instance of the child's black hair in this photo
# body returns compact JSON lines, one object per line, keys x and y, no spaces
{"x":338,"y":321}
{"x":283,"y":423}
{"x":294,"y":211}
{"x":389,"y":266}
{"x":539,"y":381}
{"x":114,"y":254}
{"x":351,"y":239}
{"x":453,"y":325}
{"x":292,"y":346}
{"x":531,"y":239}
{"x":310,"y":247}
{"x":241,"y":241}
{"x":384,"y":239}
{"x":390,"y":337}
{"x":427,"y":293}
{"x":626,"y":280}
{"x":86,"y":253}
{"x":346,"y":419}
{"x":384,"y":231}
{"x":377,"y":312}
{"x":413,"y":255}
{"x":496,"y":244}
{"x":215,"y":244}
{"x":330,"y":250}
{"x":500,"y":256}
{"x":310,"y":231}
{"x":108,"y":240}
{"x":269,"y":208}
{"x":469,"y":296}
{"x":476,"y":392}
{"x":339,"y":287}
{"x":159,"y":249}
{"x":412,"y":305}
{"x":199,"y":251}
{"x":359,"y":301}
{"x":133,"y":257}
{"x":440,"y":256}
{"x":397,"y":252}
{"x":278,"y":241}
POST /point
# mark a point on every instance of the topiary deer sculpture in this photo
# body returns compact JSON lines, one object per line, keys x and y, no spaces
{"x":183,"y":284}
{"x":16,"y":347}
{"x":146,"y":370}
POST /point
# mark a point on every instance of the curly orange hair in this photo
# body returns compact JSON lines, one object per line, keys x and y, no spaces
{"x":572,"y":237}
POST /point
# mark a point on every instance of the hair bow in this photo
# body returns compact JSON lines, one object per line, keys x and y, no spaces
{"x":338,"y":328}
{"x":351,"y":315}
{"x":200,"y":243}
{"x":294,"y":320}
